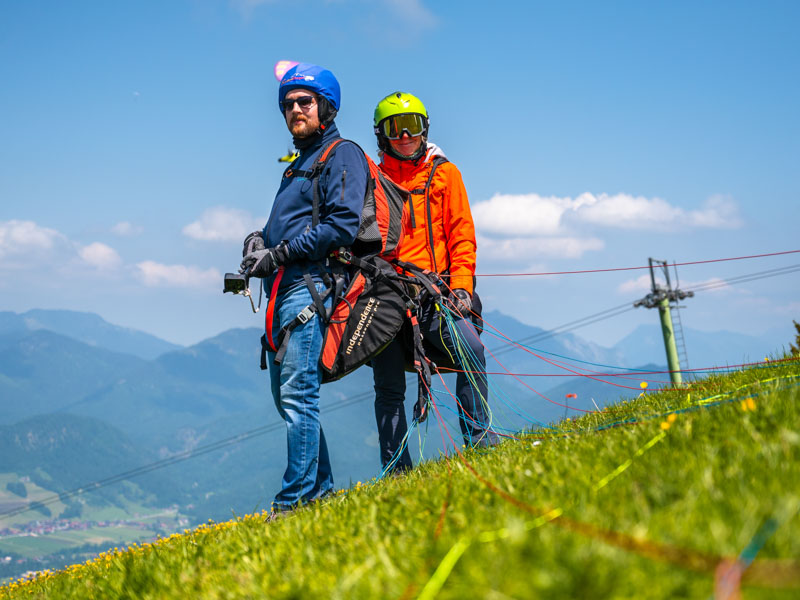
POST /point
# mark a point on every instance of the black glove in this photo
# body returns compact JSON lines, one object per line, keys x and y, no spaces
{"x":253,"y":242}
{"x":262,"y":263}
{"x":463,"y":300}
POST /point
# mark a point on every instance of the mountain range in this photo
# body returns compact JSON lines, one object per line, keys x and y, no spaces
{"x":89,"y":328}
{"x":110,"y":399}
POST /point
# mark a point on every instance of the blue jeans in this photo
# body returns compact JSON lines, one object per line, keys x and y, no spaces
{"x":295,"y":390}
{"x":388,"y":370}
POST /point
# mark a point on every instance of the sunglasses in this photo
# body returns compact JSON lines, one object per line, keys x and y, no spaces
{"x":394,"y":127}
{"x":304,"y":102}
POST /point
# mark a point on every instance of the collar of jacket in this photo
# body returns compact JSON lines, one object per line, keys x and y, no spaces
{"x":395,"y":165}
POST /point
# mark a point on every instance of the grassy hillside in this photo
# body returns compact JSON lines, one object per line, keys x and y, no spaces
{"x":644,"y":500}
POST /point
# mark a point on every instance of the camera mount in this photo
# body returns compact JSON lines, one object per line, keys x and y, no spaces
{"x":239,"y":284}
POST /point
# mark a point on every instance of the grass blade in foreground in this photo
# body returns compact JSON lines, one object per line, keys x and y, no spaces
{"x":693,"y":475}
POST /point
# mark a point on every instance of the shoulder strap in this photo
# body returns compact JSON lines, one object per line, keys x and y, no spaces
{"x":317,"y":165}
{"x":438,"y":160}
{"x":313,"y":174}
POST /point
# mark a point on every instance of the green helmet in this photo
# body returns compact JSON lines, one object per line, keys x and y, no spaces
{"x":396,"y":104}
{"x":400,"y":113}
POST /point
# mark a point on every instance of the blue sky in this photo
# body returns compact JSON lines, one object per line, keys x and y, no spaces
{"x":138,"y":145}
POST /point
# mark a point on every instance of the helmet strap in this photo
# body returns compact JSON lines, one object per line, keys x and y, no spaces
{"x":325,"y":112}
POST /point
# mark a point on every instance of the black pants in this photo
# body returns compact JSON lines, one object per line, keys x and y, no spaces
{"x":471,"y":388}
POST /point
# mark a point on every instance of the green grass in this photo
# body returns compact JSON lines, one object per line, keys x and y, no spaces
{"x":636,"y":502}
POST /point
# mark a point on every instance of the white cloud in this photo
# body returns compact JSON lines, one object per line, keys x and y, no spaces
{"x":628,"y":212}
{"x":527,"y":214}
{"x":26,"y":237}
{"x":639,"y":285}
{"x":26,"y":241}
{"x":637,"y":212}
{"x":718,"y":212}
{"x":126,"y":229}
{"x":223,"y":224}
{"x":531,"y":214}
{"x":100,"y":256}
{"x":153,"y":274}
{"x":26,"y":244}
{"x":412,"y":12}
{"x":531,"y":249}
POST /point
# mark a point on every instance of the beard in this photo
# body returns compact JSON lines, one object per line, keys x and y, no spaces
{"x":302,"y":126}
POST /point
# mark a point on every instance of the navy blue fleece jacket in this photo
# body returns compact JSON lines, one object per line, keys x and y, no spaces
{"x":342,"y":186}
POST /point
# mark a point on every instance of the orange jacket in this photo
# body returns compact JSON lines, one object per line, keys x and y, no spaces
{"x":452,"y":249}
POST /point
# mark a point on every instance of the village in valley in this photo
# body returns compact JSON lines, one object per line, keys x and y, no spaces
{"x":47,"y":543}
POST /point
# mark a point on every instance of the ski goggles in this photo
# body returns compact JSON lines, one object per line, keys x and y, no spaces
{"x":304,"y":102}
{"x":410,"y":123}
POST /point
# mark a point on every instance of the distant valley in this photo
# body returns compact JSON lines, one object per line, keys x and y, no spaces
{"x":84,"y":400}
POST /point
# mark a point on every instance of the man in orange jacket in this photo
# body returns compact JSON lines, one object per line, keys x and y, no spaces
{"x":441,"y":238}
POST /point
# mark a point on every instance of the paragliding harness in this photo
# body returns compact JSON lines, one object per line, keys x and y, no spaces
{"x":368,"y":314}
{"x":387,"y":305}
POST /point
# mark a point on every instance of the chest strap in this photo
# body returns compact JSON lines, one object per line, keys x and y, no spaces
{"x":313,"y":175}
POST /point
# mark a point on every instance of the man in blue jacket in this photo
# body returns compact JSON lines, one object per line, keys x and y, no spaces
{"x":291,"y":254}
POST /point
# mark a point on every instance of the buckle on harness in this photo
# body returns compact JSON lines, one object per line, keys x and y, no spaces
{"x":305,"y":314}
{"x":344,"y":255}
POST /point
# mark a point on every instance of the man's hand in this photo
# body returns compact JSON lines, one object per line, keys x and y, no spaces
{"x":463,"y":300}
{"x":262,"y":263}
{"x":253,"y":242}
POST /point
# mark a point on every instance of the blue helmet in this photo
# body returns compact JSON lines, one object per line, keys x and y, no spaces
{"x":310,"y":77}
